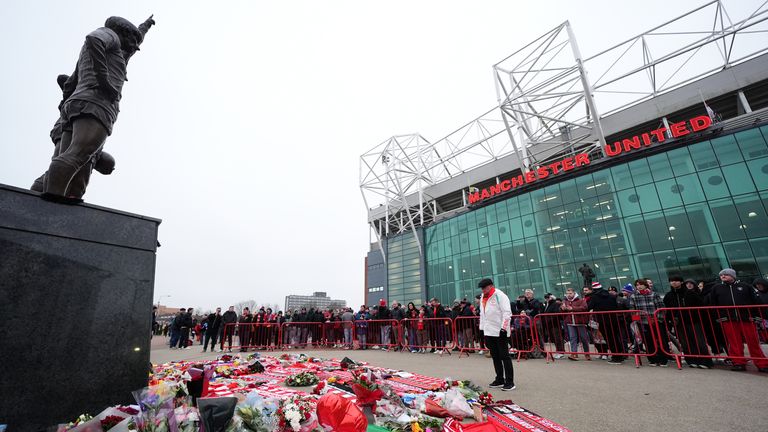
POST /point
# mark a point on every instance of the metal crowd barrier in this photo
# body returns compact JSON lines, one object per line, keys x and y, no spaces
{"x":434,"y":334}
{"x":619,"y":334}
{"x":302,"y":334}
{"x":467,"y":332}
{"x":700,"y":335}
{"x":245,"y":336}
{"x":378,"y":333}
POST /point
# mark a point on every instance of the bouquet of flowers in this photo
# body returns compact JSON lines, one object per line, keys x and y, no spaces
{"x":296,"y":413}
{"x":155,"y":407}
{"x":485,"y":398}
{"x":255,"y":414}
{"x":366,"y":390}
{"x":301,"y":379}
{"x":110,"y":421}
{"x":319,"y":388}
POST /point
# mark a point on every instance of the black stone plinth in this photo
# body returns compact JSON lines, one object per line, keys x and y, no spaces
{"x":76,"y":286}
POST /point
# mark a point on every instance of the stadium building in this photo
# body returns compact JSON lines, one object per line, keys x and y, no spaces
{"x":647,"y":159}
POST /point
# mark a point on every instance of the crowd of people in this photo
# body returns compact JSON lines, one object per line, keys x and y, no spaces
{"x":590,"y":318}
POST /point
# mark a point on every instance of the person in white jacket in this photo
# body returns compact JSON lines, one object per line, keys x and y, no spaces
{"x":495,"y":316}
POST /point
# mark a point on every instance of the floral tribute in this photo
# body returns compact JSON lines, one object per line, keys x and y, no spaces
{"x":296,"y":413}
{"x":301,"y":379}
{"x":366,"y":390}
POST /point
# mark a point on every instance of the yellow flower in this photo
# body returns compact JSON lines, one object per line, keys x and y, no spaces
{"x":416,"y":428}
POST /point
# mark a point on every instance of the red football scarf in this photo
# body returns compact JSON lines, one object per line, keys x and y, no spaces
{"x":486,"y":297}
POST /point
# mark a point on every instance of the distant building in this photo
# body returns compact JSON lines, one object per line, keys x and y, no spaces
{"x":318,"y":299}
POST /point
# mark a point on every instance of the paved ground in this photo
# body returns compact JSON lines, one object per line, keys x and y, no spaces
{"x":587,"y":396}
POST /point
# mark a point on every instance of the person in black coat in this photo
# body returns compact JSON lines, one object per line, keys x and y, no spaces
{"x":176,"y":327}
{"x":687,"y":324}
{"x":214,"y":330}
{"x":228,"y":323}
{"x":186,"y":325}
{"x":244,"y":329}
{"x":611,"y":325}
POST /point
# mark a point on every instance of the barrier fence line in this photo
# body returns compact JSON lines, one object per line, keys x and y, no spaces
{"x":433,"y":334}
{"x":702,"y":334}
{"x":698,"y":335}
{"x":619,"y":334}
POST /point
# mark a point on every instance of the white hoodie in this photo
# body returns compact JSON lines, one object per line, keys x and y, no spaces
{"x":496,"y":314}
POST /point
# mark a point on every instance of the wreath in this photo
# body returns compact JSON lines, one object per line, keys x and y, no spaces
{"x":302,"y":379}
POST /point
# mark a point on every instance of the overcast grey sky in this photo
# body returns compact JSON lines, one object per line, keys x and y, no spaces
{"x":242,"y":122}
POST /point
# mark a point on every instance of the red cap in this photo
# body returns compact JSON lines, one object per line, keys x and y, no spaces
{"x":382,"y":302}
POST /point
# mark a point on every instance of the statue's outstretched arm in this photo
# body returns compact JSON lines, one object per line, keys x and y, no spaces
{"x":145,"y":26}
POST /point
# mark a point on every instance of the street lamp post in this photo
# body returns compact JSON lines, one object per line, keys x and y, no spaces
{"x":160,"y":298}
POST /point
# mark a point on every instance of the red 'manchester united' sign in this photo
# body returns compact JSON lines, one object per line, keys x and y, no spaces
{"x":626,"y":145}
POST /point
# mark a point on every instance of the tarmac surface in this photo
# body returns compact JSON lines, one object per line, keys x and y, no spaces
{"x":583,"y":396}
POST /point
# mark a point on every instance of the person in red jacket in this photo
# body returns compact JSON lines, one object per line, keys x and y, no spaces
{"x":576,"y":323}
{"x":737,"y":323}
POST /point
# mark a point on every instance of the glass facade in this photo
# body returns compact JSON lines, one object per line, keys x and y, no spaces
{"x":404,"y":269}
{"x":689,"y":211}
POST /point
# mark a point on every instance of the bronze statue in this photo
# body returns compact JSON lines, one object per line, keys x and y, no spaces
{"x":89,"y":108}
{"x":105,"y":162}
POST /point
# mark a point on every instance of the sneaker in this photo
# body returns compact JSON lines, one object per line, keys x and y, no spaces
{"x":375,"y":347}
{"x":558,"y":356}
{"x":508,"y":387}
{"x":703,"y":366}
{"x":481,"y":352}
{"x":738,"y":368}
{"x":663,"y":364}
{"x":652,"y":364}
{"x":604,"y":357}
{"x":496,"y":384}
{"x":573,"y":357}
{"x":616,"y":362}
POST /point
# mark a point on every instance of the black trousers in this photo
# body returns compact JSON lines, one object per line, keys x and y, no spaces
{"x":184,"y":337}
{"x":502,"y":362}
{"x":212,"y":335}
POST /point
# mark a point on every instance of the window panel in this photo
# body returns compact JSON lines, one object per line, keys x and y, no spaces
{"x":726,"y":219}
{"x":679,"y":228}
{"x":741,"y":259}
{"x":680,"y":160}
{"x":703,"y":156}
{"x":727,"y":150}
{"x":752,"y":215}
{"x":758,"y":169}
{"x":660,"y":167}
{"x":668,"y":198}
{"x":738,"y":179}
{"x":641,"y":173}
{"x":622,"y":178}
{"x":752,"y":144}
{"x":648,"y":197}
{"x":689,"y":189}
{"x":658,"y":231}
{"x":714,"y":184}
